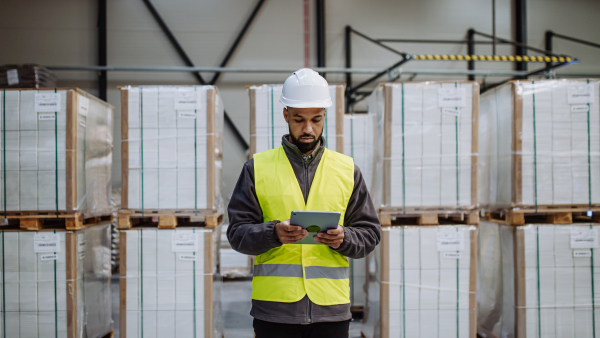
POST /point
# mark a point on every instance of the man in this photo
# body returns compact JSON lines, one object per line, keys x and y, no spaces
{"x":301,"y":290}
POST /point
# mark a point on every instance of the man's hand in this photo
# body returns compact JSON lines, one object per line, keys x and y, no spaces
{"x":288,"y":234}
{"x":332,"y":238}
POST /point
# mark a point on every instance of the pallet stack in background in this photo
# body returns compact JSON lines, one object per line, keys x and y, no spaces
{"x":421,"y":279}
{"x":172,"y":154}
{"x":540,"y":179}
{"x":358,"y":144}
{"x":55,"y":241}
{"x":171,"y":209}
{"x":267,"y":124}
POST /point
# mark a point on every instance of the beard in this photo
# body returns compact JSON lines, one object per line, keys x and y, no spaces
{"x":303,"y":146}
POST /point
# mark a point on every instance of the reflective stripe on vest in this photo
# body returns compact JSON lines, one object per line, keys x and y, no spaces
{"x":291,"y":271}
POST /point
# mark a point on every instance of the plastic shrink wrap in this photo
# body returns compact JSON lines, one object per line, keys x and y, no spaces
{"x":170,"y":283}
{"x":56,"y":283}
{"x":538,"y":280}
{"x":425,"y":146}
{"x":540,"y":146}
{"x":421,"y":282}
{"x":172,"y":148}
{"x":56,"y":148}
{"x":267,"y":124}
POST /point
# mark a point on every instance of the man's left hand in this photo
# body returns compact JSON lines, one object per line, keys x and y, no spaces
{"x":333,"y":238}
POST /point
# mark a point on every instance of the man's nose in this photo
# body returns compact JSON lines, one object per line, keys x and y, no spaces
{"x":307,"y":129}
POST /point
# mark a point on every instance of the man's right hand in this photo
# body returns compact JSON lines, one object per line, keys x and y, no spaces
{"x":288,"y":234}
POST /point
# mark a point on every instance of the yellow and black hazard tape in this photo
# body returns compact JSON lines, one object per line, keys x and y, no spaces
{"x":501,"y":58}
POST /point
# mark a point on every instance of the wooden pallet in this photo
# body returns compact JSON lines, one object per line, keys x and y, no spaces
{"x":521,"y":217}
{"x":427,"y":216}
{"x":111,"y":334}
{"x":39,"y":220}
{"x":168,"y":219}
{"x":358,"y":312}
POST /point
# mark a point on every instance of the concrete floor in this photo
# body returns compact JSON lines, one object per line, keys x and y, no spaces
{"x":236,"y":309}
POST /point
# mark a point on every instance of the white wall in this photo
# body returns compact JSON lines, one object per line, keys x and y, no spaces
{"x":64,"y":33}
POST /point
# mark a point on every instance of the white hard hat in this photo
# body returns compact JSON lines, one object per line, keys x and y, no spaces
{"x":305,"y":88}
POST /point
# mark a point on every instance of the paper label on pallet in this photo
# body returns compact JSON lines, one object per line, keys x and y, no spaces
{"x":47,"y":117}
{"x":187,"y":257}
{"x":582,"y":253}
{"x":80,"y":243}
{"x":580,"y":93}
{"x":580,"y":108}
{"x":450,"y":240}
{"x":47,"y":102}
{"x":12,"y":77}
{"x":46,"y":242}
{"x":84,"y":105}
{"x":187,"y":114}
{"x":453,"y":255}
{"x":451,"y":97}
{"x":82,"y":123}
{"x":49,"y":257}
{"x":186,"y":100}
{"x":584,"y":238}
{"x":184,"y":242}
{"x":451,"y":111}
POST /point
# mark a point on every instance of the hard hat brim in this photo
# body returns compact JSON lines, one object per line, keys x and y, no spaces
{"x":306,"y":104}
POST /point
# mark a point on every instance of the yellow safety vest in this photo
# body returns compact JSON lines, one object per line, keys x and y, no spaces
{"x":289,"y":272}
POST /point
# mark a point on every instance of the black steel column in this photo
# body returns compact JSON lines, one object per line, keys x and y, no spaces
{"x":102,"y":59}
{"x":320,"y":9}
{"x":548,"y":40}
{"x":471,"y":51}
{"x":348,"y":48}
{"x":521,"y":31}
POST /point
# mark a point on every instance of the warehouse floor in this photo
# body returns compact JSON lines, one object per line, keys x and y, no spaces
{"x":236,"y":309}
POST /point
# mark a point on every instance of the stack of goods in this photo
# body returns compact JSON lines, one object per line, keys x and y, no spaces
{"x":426,"y":149}
{"x":540,"y":179}
{"x":56,"y":283}
{"x":267,"y":124}
{"x":170,"y":285}
{"x":171,"y":153}
{"x":358,"y":144}
{"x":26,"y":76}
{"x":56,"y":156}
{"x":424,"y":283}
{"x":425,"y":173}
{"x":540,"y":280}
{"x":540,"y":146}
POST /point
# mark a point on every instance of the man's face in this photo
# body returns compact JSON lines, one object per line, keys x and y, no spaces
{"x":306,"y":126}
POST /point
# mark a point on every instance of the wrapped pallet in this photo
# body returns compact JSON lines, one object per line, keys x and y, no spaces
{"x":426,"y":148}
{"x":422,"y":283}
{"x":267,"y":124}
{"x":358,"y":144}
{"x":56,"y":153}
{"x":540,"y":280}
{"x":56,"y":283}
{"x":170,"y":283}
{"x":171,"y":151}
{"x":27,"y":75}
{"x":540,"y":146}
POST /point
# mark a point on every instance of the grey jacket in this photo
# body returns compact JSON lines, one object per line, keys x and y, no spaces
{"x":249,"y":235}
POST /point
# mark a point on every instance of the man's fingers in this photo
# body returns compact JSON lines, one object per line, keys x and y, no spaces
{"x":290,"y":228}
{"x":328,"y":236}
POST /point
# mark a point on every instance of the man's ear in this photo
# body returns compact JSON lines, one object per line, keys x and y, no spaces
{"x":285,"y":115}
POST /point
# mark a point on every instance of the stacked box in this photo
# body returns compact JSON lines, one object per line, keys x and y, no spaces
{"x":56,"y":283}
{"x":358,"y":143}
{"x":171,"y":147}
{"x":540,"y":280}
{"x":541,"y":145}
{"x":56,"y":151}
{"x":426,"y":145}
{"x":267,"y":124}
{"x":170,"y":283}
{"x":422,"y":283}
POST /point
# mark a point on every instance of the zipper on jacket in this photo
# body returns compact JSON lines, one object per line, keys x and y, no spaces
{"x":306,"y":184}
{"x":309,"y":310}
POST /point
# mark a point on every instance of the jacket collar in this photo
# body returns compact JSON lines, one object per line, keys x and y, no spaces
{"x":294,"y":154}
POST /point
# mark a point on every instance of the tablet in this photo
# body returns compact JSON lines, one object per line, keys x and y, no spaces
{"x":314,"y":221}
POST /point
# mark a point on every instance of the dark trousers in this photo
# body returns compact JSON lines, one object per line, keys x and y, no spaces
{"x":263,"y":329}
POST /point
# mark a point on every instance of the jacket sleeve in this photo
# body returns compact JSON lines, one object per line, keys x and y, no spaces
{"x":362,"y":230}
{"x":246,"y":232}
